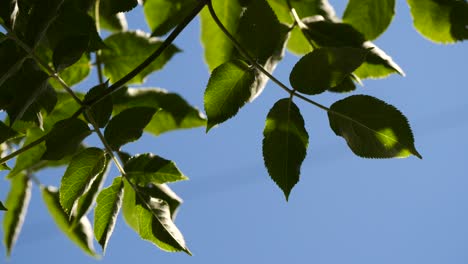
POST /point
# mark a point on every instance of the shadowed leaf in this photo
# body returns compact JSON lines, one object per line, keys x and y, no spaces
{"x":149,"y":168}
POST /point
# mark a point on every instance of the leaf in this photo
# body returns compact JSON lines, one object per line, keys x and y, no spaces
{"x":150,"y":218}
{"x":6,"y":132}
{"x":64,"y":138}
{"x":442,"y":21}
{"x":372,"y":128}
{"x":68,"y":51}
{"x":175,"y":112}
{"x":12,"y":59}
{"x":227,"y":91}
{"x":285,"y":143}
{"x":8,"y":10}
{"x":4,"y":167}
{"x":112,"y":22}
{"x":17,"y":203}
{"x":77,"y":72}
{"x":2,"y":207}
{"x":31,"y":157}
{"x":102,"y":111}
{"x":107,"y":209}
{"x":325,"y":68}
{"x":370,"y":17}
{"x":128,"y":126}
{"x":127,"y":50}
{"x":86,"y":200}
{"x":81,"y":234}
{"x":82,"y":170}
{"x":115,"y":7}
{"x":163,"y":15}
{"x":332,"y":34}
{"x":163,"y":192}
{"x":149,"y":168}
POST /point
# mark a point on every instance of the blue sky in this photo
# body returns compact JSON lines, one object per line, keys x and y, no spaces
{"x":344,"y":209}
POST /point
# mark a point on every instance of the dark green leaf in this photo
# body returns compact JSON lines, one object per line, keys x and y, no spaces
{"x":163,"y":15}
{"x":31,"y":157}
{"x":284,"y":144}
{"x":40,"y":15}
{"x":372,"y":128}
{"x":128,"y":126}
{"x":65,"y":108}
{"x":81,"y":234}
{"x":68,"y":51}
{"x":81,"y":172}
{"x":442,"y":21}
{"x":228,"y":89}
{"x":17,"y":203}
{"x":115,"y":7}
{"x":150,"y":218}
{"x":332,"y":34}
{"x":325,"y":68}
{"x":86,"y":200}
{"x":6,"y":132}
{"x":112,"y":22}
{"x":127,"y":50}
{"x":175,"y":112}
{"x":102,"y":111}
{"x":108,"y":206}
{"x":163,"y":192}
{"x":12,"y":60}
{"x":8,"y":10}
{"x":64,"y":138}
{"x":4,"y":167}
{"x":370,"y":17}
{"x":149,"y":168}
{"x":2,"y":207}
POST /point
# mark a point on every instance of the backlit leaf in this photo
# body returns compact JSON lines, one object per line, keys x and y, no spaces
{"x":370,"y":17}
{"x":64,"y":138}
{"x":284,"y":144}
{"x":149,"y":168}
{"x":442,"y":21}
{"x":128,"y":125}
{"x":31,"y":157}
{"x":81,"y":172}
{"x":228,"y":89}
{"x":17,"y":203}
{"x":127,"y":50}
{"x":325,"y":68}
{"x":372,"y":128}
{"x":108,"y":206}
{"x":163,"y":15}
{"x":6,"y":132}
{"x":102,"y":111}
{"x":175,"y":112}
{"x":81,"y":234}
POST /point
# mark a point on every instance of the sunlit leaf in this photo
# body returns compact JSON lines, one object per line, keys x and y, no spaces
{"x":163,"y":192}
{"x":64,"y":138}
{"x":372,"y":128}
{"x":284,"y":144}
{"x":149,"y":168}
{"x":163,"y":15}
{"x":228,"y":89}
{"x":370,"y":17}
{"x":80,"y":173}
{"x":127,"y":50}
{"x":108,"y":206}
{"x":151,"y":219}
{"x":81,"y":234}
{"x":325,"y":68}
{"x":17,"y":203}
{"x":175,"y":112}
{"x":442,"y":21}
{"x":128,"y":126}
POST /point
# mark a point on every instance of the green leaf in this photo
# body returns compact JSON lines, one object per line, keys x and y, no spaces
{"x":228,"y":89}
{"x":442,"y":21}
{"x":372,"y":128}
{"x":86,"y":200}
{"x":120,"y":6}
{"x":69,"y":51}
{"x":163,"y":15}
{"x":112,"y":22}
{"x":332,"y":34}
{"x":175,"y":112}
{"x":17,"y":203}
{"x":77,"y":72}
{"x":64,"y":138}
{"x":128,"y":126}
{"x":31,"y":157}
{"x":81,"y":234}
{"x":81,"y":172}
{"x":66,"y":107}
{"x":6,"y":132}
{"x":149,"y":168}
{"x":150,"y":218}
{"x":4,"y":167}
{"x":298,"y":43}
{"x":285,"y":143}
{"x":127,"y":50}
{"x":12,"y":59}
{"x":107,"y":209}
{"x":325,"y":68}
{"x":102,"y":111}
{"x":163,"y":192}
{"x":2,"y":207}
{"x":8,"y":10}
{"x":370,"y":17}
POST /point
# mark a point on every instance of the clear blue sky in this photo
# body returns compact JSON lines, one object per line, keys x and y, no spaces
{"x":344,"y":210}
